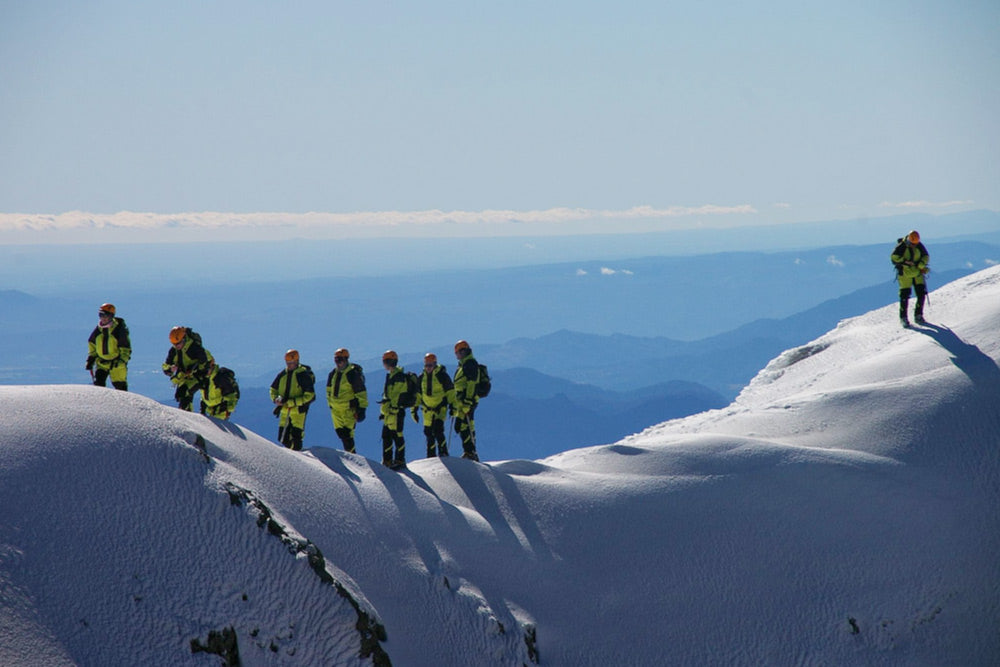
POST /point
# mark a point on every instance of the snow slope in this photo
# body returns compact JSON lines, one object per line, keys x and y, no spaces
{"x":843,"y":510}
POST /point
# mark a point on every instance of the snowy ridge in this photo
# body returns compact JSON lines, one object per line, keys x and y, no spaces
{"x":140,"y":545}
{"x":841,"y":511}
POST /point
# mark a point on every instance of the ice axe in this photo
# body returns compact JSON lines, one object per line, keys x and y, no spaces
{"x":282,"y":430}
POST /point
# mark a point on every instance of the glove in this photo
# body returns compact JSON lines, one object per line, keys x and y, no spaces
{"x":416,"y":415}
{"x":359,"y":415}
{"x":90,"y":364}
{"x":277,"y":410}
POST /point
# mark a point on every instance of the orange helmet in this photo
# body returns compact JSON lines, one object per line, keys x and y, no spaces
{"x":341,"y":353}
{"x":462,"y":345}
{"x":108,"y":308}
{"x":430,"y":358}
{"x":292,"y":356}
{"x":913,"y":237}
{"x":177,"y":334}
{"x":390,"y":355}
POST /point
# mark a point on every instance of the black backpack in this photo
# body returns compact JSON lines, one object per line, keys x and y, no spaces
{"x":361,"y":372}
{"x":225,"y":380}
{"x":193,"y":335}
{"x":311,"y":380}
{"x":409,"y":396}
{"x":483,"y":384}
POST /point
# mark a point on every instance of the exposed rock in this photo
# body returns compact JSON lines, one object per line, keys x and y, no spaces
{"x":222,"y":643}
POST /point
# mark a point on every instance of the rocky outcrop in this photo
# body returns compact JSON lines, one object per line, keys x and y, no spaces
{"x":370,"y":631}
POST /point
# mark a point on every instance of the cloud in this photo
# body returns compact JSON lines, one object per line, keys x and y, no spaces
{"x":833,"y":261}
{"x":127,"y":220}
{"x":782,"y":204}
{"x":607,"y":271}
{"x":926,"y":204}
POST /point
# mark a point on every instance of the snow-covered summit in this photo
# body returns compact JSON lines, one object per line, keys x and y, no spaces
{"x":842,"y":511}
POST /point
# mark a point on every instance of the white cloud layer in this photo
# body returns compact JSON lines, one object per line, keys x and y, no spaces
{"x":926,"y":204}
{"x":368,"y":222}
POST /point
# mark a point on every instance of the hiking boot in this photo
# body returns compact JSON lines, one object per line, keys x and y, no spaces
{"x":919,"y":319}
{"x":472,"y":456}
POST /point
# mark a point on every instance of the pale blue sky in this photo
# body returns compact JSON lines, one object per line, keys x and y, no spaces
{"x":775,"y":111}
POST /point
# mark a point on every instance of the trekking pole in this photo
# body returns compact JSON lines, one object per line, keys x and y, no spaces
{"x":283,"y":432}
{"x":451,"y":427}
{"x":284,"y":429}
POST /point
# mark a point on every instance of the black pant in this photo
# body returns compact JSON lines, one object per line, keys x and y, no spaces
{"x":392,"y":438}
{"x":465,"y":428}
{"x":101,"y":380}
{"x":291,"y":437}
{"x":436,"y":445}
{"x":347,"y":438}
{"x":904,"y":300}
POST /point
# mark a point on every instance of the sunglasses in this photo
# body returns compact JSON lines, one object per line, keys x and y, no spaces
{"x":103,"y":313}
{"x":339,"y":359}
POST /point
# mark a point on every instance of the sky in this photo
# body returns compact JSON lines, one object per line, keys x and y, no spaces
{"x":841,"y":511}
{"x":629,"y":116}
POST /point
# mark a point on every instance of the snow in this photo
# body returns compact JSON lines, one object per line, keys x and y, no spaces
{"x":843,"y":510}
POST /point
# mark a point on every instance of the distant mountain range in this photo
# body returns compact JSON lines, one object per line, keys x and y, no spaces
{"x":724,"y":363}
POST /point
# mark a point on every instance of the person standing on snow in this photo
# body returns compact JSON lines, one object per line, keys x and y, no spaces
{"x":221,"y":392}
{"x":347,"y":397}
{"x":464,"y":405}
{"x":910,"y":259}
{"x":187,"y":365}
{"x":392,"y":414}
{"x":292,"y":391}
{"x":437,"y":391}
{"x":108,"y":349}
